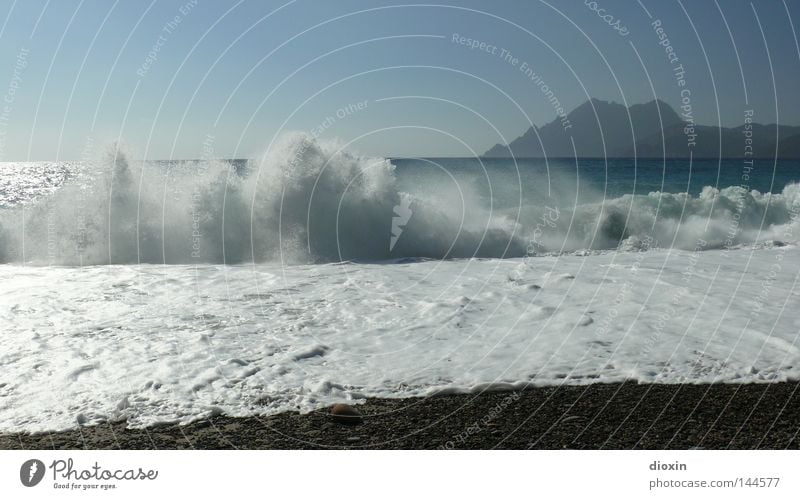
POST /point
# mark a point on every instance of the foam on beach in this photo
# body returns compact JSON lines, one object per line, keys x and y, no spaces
{"x":169,"y":291}
{"x":155,"y":343}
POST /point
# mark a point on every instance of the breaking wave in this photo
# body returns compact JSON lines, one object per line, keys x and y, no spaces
{"x":311,"y":201}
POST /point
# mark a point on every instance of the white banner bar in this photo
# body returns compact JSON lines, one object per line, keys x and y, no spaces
{"x":401,"y":474}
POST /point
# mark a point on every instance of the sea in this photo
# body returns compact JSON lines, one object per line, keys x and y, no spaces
{"x":163,"y":291}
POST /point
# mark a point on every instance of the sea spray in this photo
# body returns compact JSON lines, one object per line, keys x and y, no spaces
{"x":307,"y":201}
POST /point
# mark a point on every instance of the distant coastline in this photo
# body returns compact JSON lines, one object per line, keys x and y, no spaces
{"x":651,"y":130}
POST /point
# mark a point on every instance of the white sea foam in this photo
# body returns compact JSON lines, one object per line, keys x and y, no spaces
{"x":659,"y":294}
{"x":309,"y":201}
{"x":154,"y":343}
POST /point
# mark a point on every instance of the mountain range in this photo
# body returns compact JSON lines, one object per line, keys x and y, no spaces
{"x":658,"y":131}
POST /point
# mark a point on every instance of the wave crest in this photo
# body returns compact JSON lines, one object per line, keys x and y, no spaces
{"x":312,"y":201}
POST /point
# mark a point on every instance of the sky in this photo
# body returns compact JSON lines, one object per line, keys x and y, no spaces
{"x":225,"y":78}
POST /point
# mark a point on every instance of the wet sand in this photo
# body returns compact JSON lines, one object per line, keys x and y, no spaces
{"x":598,"y":416}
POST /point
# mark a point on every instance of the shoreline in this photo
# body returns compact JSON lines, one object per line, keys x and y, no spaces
{"x":597,"y":416}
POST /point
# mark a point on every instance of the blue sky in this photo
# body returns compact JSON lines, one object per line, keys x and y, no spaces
{"x":76,"y":74}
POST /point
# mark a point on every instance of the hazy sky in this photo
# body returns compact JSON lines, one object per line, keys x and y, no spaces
{"x":76,"y":75}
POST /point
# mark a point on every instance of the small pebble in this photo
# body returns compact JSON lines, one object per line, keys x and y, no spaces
{"x":345,"y":414}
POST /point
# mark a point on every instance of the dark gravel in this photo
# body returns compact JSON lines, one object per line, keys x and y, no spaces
{"x":598,"y":416}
